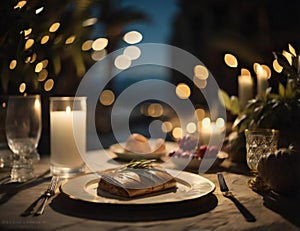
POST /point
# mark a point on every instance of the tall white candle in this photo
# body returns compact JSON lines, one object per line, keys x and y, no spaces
{"x":65,"y":146}
{"x":245,"y":85}
{"x":210,"y":132}
{"x":262,"y":80}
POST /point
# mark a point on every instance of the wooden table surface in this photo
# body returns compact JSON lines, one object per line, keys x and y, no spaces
{"x":212,"y":212}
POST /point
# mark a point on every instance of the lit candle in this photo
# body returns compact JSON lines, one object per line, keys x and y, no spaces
{"x":211,"y":130}
{"x":262,"y":80}
{"x":245,"y":89}
{"x":65,"y":148}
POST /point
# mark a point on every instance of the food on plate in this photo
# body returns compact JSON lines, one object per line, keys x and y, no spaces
{"x":138,"y":143}
{"x":135,"y":179}
{"x":198,"y":154}
{"x":189,"y":149}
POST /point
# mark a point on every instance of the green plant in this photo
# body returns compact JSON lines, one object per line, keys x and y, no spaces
{"x":277,"y":108}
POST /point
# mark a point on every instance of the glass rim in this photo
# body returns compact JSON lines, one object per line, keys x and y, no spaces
{"x":24,"y":96}
{"x":262,"y":130}
{"x":67,"y":98}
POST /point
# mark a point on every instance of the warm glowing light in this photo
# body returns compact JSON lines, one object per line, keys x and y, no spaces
{"x":37,"y":104}
{"x":133,"y":37}
{"x":29,"y":43}
{"x":201,"y":72}
{"x":87,"y":45}
{"x":45,"y":39}
{"x":89,"y":22}
{"x":230,"y":60}
{"x":13,"y":64}
{"x":54,"y":27}
{"x":261,"y":72}
{"x":166,"y":126}
{"x":122,"y":62}
{"x":68,"y":109}
{"x":107,"y":98}
{"x":70,"y":39}
{"x":200,"y":83}
{"x":98,"y":55}
{"x":45,"y":63}
{"x":133,"y":52}
{"x":277,"y":67}
{"x":220,"y":123}
{"x":200,"y":113}
{"x":3,"y":105}
{"x":22,"y":87}
{"x":39,"y":10}
{"x":43,"y":75}
{"x":191,"y":127}
{"x":31,"y":59}
{"x":177,"y":133}
{"x":183,"y":91}
{"x":206,"y":122}
{"x":288,"y":56}
{"x":155,"y":110}
{"x":27,"y":32}
{"x":267,"y":71}
{"x":49,"y":84}
{"x":99,"y":44}
{"x":20,"y":4}
{"x":245,"y":71}
{"x":292,"y":50}
{"x":38,"y":67}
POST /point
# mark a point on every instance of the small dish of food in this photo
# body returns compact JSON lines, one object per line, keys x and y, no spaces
{"x":139,"y":147}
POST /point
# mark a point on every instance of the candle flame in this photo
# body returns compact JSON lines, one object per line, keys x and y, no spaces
{"x":68,"y":109}
{"x":206,"y":122}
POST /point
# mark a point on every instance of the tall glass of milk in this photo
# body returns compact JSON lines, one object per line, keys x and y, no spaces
{"x":67,"y":135}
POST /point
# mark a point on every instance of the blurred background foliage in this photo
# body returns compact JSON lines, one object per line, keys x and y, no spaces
{"x":53,"y":33}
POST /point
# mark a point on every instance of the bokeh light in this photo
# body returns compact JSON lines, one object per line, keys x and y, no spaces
{"x":107,"y":98}
{"x":13,"y":64}
{"x":155,"y":110}
{"x":183,"y":91}
{"x":133,"y":52}
{"x":177,"y":133}
{"x":191,"y":127}
{"x":87,"y":45}
{"x":49,"y":84}
{"x":22,"y":87}
{"x":99,"y":44}
{"x":230,"y":60}
{"x":133,"y":37}
{"x":54,"y":27}
{"x":166,"y":127}
{"x":122,"y":62}
{"x":201,"y":72}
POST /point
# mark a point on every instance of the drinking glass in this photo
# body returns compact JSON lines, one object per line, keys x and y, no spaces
{"x":68,"y":135}
{"x":23,"y":131}
{"x":5,"y":152}
{"x":259,"y":143}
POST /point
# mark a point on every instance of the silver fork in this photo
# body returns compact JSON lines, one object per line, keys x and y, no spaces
{"x":47,"y":194}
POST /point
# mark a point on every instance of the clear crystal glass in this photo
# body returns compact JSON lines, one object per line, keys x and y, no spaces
{"x":259,"y":143}
{"x":23,"y":131}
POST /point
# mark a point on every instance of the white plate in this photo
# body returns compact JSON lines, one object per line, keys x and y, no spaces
{"x":189,"y":186}
{"x":126,"y":155}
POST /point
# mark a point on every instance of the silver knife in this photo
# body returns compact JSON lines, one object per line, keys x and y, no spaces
{"x":227,"y":193}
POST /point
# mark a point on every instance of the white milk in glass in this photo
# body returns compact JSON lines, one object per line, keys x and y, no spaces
{"x":68,"y":140}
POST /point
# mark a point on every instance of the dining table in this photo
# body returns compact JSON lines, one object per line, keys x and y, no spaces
{"x":212,"y":211}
